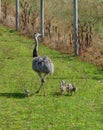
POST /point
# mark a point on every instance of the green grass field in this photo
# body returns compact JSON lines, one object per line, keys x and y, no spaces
{"x":81,"y":111}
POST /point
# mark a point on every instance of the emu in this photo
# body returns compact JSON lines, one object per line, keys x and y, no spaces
{"x":68,"y":87}
{"x":43,"y":65}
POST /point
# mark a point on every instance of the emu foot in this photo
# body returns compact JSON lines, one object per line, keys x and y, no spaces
{"x":37,"y":91}
{"x":44,"y":94}
{"x":43,"y":81}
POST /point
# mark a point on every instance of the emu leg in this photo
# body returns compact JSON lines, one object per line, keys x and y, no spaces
{"x":42,"y":82}
{"x":40,"y":76}
{"x":44,"y":94}
{"x":39,"y":88}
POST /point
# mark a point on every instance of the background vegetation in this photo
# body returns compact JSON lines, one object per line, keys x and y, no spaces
{"x":62,"y":11}
{"x":59,"y":32}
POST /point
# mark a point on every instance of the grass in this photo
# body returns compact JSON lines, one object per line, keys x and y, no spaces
{"x":81,"y":111}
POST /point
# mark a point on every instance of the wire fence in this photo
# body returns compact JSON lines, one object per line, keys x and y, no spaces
{"x":58,"y":29}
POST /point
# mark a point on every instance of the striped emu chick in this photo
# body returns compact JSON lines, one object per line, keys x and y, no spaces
{"x":67,"y":87}
{"x":70,"y":88}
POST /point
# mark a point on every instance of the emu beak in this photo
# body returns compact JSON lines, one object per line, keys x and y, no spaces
{"x":39,"y":34}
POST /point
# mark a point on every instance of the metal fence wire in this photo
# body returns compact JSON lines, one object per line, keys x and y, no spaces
{"x":58,"y":23}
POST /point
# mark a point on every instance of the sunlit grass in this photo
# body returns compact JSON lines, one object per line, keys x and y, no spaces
{"x":81,"y":111}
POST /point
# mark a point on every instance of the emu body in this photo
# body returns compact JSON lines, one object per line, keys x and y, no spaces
{"x":43,"y":65}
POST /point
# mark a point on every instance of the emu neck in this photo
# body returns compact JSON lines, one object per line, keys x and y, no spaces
{"x":35,"y":51}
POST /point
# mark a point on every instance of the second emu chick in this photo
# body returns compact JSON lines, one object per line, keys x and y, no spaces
{"x":67,"y":87}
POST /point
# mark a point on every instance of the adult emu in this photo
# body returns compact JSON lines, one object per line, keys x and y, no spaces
{"x":41,"y":64}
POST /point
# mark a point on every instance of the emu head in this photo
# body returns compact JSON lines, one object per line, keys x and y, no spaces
{"x":36,"y":35}
{"x":62,"y":83}
{"x":62,"y":86}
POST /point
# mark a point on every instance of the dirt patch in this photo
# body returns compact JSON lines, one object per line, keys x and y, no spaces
{"x":93,"y":55}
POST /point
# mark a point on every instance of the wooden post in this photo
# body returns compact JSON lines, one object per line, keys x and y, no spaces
{"x":75,"y":3}
{"x":0,"y":10}
{"x":42,"y":17}
{"x":17,"y":15}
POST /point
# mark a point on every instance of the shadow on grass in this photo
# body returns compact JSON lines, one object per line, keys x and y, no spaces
{"x":13,"y":95}
{"x":22,"y":95}
{"x":58,"y":94}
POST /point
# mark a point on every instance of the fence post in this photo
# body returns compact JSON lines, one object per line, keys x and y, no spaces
{"x":0,"y":10}
{"x":42,"y":17}
{"x":17,"y":15}
{"x":75,"y":3}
